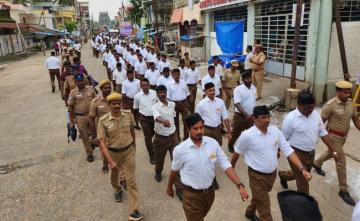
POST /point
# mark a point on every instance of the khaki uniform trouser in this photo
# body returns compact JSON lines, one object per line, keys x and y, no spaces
{"x":257,"y":80}
{"x":307,"y":160}
{"x":147,"y":125}
{"x":181,"y":107}
{"x":260,"y":185}
{"x":340,"y":165}
{"x":240,"y":123}
{"x":54,"y":73}
{"x":214,"y":133}
{"x":197,"y":204}
{"x":126,"y":162}
{"x":229,"y":92}
{"x":192,"y":97}
{"x":82,"y":123}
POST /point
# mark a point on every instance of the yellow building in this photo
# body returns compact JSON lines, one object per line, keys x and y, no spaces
{"x":63,"y":15}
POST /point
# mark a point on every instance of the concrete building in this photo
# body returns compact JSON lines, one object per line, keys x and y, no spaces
{"x":83,"y":16}
{"x":104,"y":19}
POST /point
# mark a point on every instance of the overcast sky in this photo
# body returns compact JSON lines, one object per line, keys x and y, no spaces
{"x":111,"y":6}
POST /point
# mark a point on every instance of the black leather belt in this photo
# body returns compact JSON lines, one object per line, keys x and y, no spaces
{"x":119,"y":150}
{"x":303,"y":151}
{"x":81,"y":114}
{"x":162,"y":136}
{"x":191,"y":84}
{"x":212,"y":128}
{"x":199,"y":190}
{"x":148,"y":117}
{"x":267,"y":174}
{"x":180,"y":102}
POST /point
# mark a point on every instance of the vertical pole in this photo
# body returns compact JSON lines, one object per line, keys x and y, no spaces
{"x":296,"y":44}
{"x":341,"y":41}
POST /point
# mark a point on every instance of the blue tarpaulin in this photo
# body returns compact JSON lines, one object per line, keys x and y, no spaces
{"x":186,"y":37}
{"x":230,"y":36}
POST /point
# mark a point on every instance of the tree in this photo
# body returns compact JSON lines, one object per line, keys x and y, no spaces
{"x":135,"y":13}
{"x":71,"y":26}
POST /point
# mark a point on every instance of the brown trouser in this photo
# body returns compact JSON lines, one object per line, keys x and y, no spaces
{"x":162,"y":144}
{"x":307,"y":160}
{"x":181,"y":107}
{"x":214,"y":132}
{"x":54,"y":73}
{"x":197,"y":204}
{"x":118,"y":88}
{"x":126,"y":162}
{"x":128,"y":104}
{"x":109,"y":74}
{"x":257,"y":80}
{"x":192,"y":97}
{"x":147,"y":125}
{"x":82,"y":123}
{"x":229,"y":94}
{"x":260,"y":184}
{"x":240,"y":123}
{"x":340,"y":165}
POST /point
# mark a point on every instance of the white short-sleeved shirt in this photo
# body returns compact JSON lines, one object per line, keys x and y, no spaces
{"x":130,"y":88}
{"x":162,"y":65}
{"x":197,"y":164}
{"x":140,"y":67}
{"x":219,"y":69}
{"x":152,"y":76}
{"x":260,"y":150}
{"x":212,"y":111}
{"x":144,"y":102}
{"x":166,"y":112}
{"x":119,"y":76}
{"x":303,"y":132}
{"x":177,"y":91}
{"x":247,"y":64}
{"x":192,"y":76}
{"x":182,"y":72}
{"x":132,"y":59}
{"x":152,"y":58}
{"x":52,"y":63}
{"x":246,"y":97}
{"x":215,"y":80}
{"x":113,"y":62}
{"x":162,"y":80}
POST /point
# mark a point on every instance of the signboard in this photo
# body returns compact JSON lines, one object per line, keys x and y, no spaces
{"x":126,"y":29}
{"x":207,"y":4}
{"x":293,"y":19}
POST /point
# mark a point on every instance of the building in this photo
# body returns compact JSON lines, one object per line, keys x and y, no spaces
{"x":63,"y":15}
{"x":157,"y":13}
{"x":83,"y":16}
{"x":104,"y":19}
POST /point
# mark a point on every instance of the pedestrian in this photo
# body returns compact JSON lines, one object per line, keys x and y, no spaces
{"x":56,"y":48}
{"x":182,"y":69}
{"x":257,"y":66}
{"x":65,"y":73}
{"x":187,"y":59}
{"x":165,"y":78}
{"x":194,"y":159}
{"x":117,"y":142}
{"x":43,"y":47}
{"x":302,"y":128}
{"x":53,"y":65}
{"x":244,"y":103}
{"x":230,"y":79}
{"x":192,"y":78}
{"x":130,"y":87}
{"x":213,"y":78}
{"x":337,"y":114}
{"x":119,"y":76}
{"x":178,"y":93}
{"x":164,"y":63}
{"x":143,"y":102}
{"x":249,"y":55}
{"x":79,"y":107}
{"x":140,"y":67}
{"x":152,"y":74}
{"x":260,"y":145}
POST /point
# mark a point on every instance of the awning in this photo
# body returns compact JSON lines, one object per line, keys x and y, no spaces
{"x":176,"y":16}
{"x":42,"y":35}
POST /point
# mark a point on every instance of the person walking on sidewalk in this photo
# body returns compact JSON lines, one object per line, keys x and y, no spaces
{"x":230,"y":79}
{"x":53,"y":65}
{"x":337,"y":113}
{"x":257,"y":66}
{"x":194,"y":159}
{"x":117,"y":142}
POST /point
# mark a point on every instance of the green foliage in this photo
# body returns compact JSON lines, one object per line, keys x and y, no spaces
{"x":136,"y":11}
{"x":71,"y":26}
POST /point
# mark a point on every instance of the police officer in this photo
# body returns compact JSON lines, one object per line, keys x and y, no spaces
{"x":257,"y":66}
{"x":117,"y":142}
{"x":70,"y":83}
{"x":338,"y":112}
{"x":79,"y":106}
{"x":230,"y":79}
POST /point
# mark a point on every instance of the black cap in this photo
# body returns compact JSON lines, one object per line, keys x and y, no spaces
{"x":261,"y":110}
{"x":192,"y":119}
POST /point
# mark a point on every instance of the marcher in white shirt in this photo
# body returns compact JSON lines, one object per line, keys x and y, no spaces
{"x":244,"y":103}
{"x":53,"y":64}
{"x":143,"y":102}
{"x":194,"y":159}
{"x":152,"y":56}
{"x":152,"y":74}
{"x":178,"y":93}
{"x":260,"y":145}
{"x":218,"y":67}
{"x":130,"y":87}
{"x":192,"y":78}
{"x":213,"y":78}
{"x":182,"y":69}
{"x":302,"y":128}
{"x":140,"y":67}
{"x":165,"y":78}
{"x":119,"y":76}
{"x":249,"y":55}
{"x":117,"y":59}
{"x":163,"y":63}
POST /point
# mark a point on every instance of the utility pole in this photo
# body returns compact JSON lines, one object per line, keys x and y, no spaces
{"x":296,"y":44}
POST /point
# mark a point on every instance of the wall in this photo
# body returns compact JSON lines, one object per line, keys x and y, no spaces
{"x":9,"y":44}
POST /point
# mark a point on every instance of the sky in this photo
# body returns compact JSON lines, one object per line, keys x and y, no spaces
{"x":111,"y":6}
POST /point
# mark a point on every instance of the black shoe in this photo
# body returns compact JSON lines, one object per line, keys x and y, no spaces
{"x":231,"y":149}
{"x":158,"y":177}
{"x":319,"y":171}
{"x":283,"y":182}
{"x":90,"y":158}
{"x":123,"y":184}
{"x":216,"y":185}
{"x":152,"y":160}
{"x":137,"y":127}
{"x":135,"y":216}
{"x":118,"y":196}
{"x":347,"y":198}
{"x":252,"y":217}
{"x":53,"y":89}
{"x":179,"y":194}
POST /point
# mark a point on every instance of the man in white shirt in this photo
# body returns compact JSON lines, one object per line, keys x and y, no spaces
{"x":182,"y":69}
{"x":194,"y":159}
{"x":211,"y":77}
{"x":302,"y":128}
{"x":218,"y":67}
{"x":119,"y":76}
{"x":260,"y":145}
{"x":152,"y":74}
{"x":143,"y":102}
{"x":164,"y":63}
{"x":165,"y":78}
{"x":192,"y":78}
{"x":130,"y":88}
{"x":140,"y":67}
{"x":249,"y":55}
{"x":53,"y":64}
{"x":244,"y":103}
{"x":178,"y":93}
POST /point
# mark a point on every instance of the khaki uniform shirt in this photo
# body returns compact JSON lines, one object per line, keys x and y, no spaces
{"x":338,"y":114}
{"x":80,"y":99}
{"x":99,"y":107}
{"x":116,"y":130}
{"x":70,"y":84}
{"x":231,"y":78}
{"x":259,"y":57}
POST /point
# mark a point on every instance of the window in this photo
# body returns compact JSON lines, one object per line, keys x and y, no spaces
{"x":349,"y":10}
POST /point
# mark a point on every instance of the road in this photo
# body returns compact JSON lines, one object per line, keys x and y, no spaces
{"x":47,"y":178}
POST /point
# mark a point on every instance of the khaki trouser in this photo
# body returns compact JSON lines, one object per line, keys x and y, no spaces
{"x":260,"y":185}
{"x":126,"y":162}
{"x":240,"y":123}
{"x":197,"y":204}
{"x":229,"y":92}
{"x":54,"y":73}
{"x":181,"y":107}
{"x":257,"y":80}
{"x":147,"y":125}
{"x":340,"y":165}
{"x":307,"y":160}
{"x":192,"y":97}
{"x":118,"y":88}
{"x":82,"y":123}
{"x":214,"y":132}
